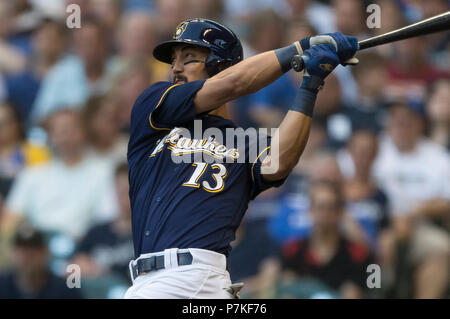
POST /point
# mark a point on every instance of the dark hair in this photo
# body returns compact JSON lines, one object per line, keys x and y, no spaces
{"x":27,"y":236}
{"x":17,"y":117}
{"x":91,"y":107}
{"x":48,"y":21}
{"x":121,"y":168}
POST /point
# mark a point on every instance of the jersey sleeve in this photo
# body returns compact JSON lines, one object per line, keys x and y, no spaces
{"x":259,"y":184}
{"x":176,"y":105}
{"x":159,"y":108}
{"x":165,"y":104}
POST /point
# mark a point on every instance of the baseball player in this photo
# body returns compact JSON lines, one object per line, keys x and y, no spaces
{"x":184,"y":214}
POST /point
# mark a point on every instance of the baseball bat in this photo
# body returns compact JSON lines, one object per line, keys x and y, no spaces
{"x":440,"y":22}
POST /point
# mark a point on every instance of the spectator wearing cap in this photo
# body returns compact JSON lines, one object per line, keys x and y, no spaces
{"x":30,"y":277}
{"x":415,"y":173}
{"x":66,"y":195}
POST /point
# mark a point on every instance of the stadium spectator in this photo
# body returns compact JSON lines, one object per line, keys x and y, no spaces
{"x":292,"y":219}
{"x":326,"y":254}
{"x":66,"y":195}
{"x":316,"y":13}
{"x":100,"y":116}
{"x":24,"y":20}
{"x":108,"y":12}
{"x":15,"y":152}
{"x":438,"y":112}
{"x":170,"y":13}
{"x":350,"y":17}
{"x":11,"y":58}
{"x":370,"y":110}
{"x":129,"y":83}
{"x":213,"y":9}
{"x":48,"y":45}
{"x":136,"y":38}
{"x":415,"y":173}
{"x":411,"y":70}
{"x":392,"y":17}
{"x":30,"y":277}
{"x":367,"y":203}
{"x":77,"y":77}
{"x":107,"y":248}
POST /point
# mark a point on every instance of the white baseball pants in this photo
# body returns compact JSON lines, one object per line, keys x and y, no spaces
{"x":205,"y":278}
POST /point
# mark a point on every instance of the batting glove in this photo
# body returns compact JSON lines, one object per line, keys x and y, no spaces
{"x":346,"y":46}
{"x":320,"y":61}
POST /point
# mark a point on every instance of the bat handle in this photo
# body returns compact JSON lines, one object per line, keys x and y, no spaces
{"x":298,"y":62}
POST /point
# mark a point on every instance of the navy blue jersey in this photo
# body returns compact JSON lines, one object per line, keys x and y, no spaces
{"x":193,"y":204}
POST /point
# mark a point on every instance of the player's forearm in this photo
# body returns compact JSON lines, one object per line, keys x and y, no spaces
{"x":287,"y":145}
{"x":246,"y":77}
{"x":251,"y":74}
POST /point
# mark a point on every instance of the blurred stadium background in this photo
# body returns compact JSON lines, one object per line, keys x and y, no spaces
{"x":381,"y":134}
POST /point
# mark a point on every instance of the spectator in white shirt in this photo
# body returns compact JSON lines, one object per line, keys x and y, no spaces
{"x":415,"y":173}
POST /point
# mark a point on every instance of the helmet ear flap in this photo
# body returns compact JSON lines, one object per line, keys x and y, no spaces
{"x":214,"y":65}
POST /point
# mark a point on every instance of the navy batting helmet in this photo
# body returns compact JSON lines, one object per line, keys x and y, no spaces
{"x":225,"y":47}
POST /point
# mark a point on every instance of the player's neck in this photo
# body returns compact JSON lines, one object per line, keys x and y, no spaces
{"x":221,"y":111}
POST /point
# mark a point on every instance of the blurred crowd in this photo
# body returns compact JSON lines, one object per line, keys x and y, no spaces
{"x":372,"y":187}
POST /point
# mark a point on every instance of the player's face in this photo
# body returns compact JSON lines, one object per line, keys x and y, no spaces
{"x":188,"y":63}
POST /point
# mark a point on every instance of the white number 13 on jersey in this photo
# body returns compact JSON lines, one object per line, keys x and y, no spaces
{"x":219,"y":174}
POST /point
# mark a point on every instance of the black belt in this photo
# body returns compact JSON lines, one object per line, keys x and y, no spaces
{"x":145,"y":265}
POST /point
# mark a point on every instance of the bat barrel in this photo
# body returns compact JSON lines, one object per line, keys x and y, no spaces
{"x":437,"y":23}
